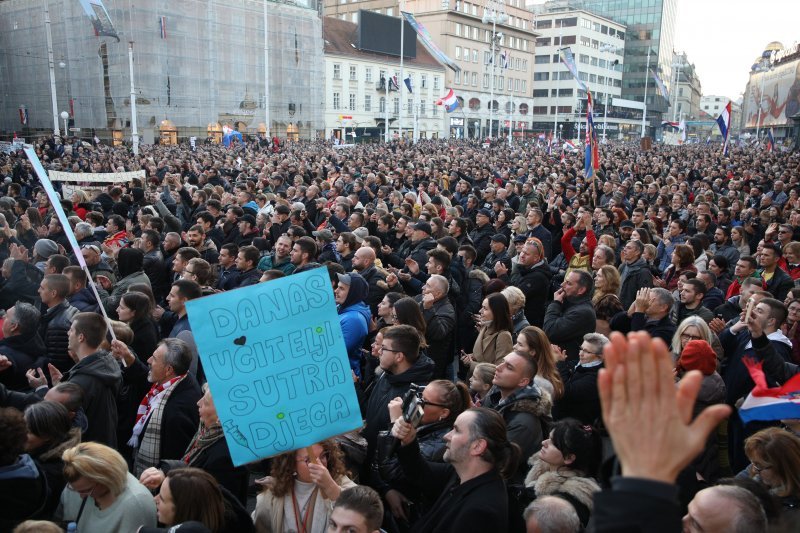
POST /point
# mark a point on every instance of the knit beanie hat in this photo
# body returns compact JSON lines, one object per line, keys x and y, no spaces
{"x":698,"y":355}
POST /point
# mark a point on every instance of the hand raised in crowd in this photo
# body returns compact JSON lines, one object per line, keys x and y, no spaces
{"x":648,"y":417}
{"x":716,"y":325}
{"x":42,"y":231}
{"x":152,"y":478}
{"x":36,"y":378}
{"x":412,"y":266}
{"x":404,"y":432}
{"x":466,"y":358}
{"x":558,"y":353}
{"x":104,"y":282}
{"x":122,"y":353}
{"x":559,"y":295}
{"x":391,"y":279}
{"x":5,"y":363}
{"x":322,"y":478}
{"x":642,"y":302}
{"x":18,"y":252}
{"x":427,"y":300}
{"x":158,"y":312}
{"x":55,"y":374}
{"x":500,"y":269}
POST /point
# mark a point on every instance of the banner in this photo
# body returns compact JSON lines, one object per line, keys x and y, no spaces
{"x":780,"y":99}
{"x":569,"y":60}
{"x":427,"y":40}
{"x":276,"y":363}
{"x":101,"y":22}
{"x":97,"y":177}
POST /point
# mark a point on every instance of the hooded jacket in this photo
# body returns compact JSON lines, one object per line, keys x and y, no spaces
{"x":567,"y":322}
{"x":129,"y":263}
{"x":440,"y":333}
{"x":24,"y":490}
{"x":634,"y":276}
{"x":569,"y":484}
{"x":24,"y":352}
{"x":534,"y":282}
{"x":419,"y":251}
{"x":527,"y":415}
{"x":354,"y":317}
{"x":100,"y":377}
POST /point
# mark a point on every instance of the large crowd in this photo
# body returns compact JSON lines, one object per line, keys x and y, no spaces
{"x":532,"y":348}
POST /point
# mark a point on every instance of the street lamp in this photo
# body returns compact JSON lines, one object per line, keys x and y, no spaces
{"x":609,"y":49}
{"x":64,"y":117}
{"x":495,"y":12}
{"x":764,"y":68}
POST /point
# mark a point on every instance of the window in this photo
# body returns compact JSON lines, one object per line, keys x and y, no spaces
{"x":368,"y":74}
{"x":592,"y":78}
{"x":568,"y":22}
{"x":544,"y":24}
{"x":567,"y":39}
{"x":525,"y":45}
{"x":539,"y":60}
{"x":486,"y":57}
{"x":474,"y":79}
{"x":556,"y":58}
{"x":502,"y":83}
{"x":475,"y":33}
{"x":423,"y":81}
{"x":475,"y":55}
{"x":458,"y":29}
{"x":565,"y":92}
{"x":518,"y":62}
{"x":523,"y":109}
{"x":368,"y":103}
{"x":353,"y":73}
{"x":510,"y":85}
{"x":390,"y":11}
{"x":337,"y":71}
{"x":382,"y":105}
{"x":585,"y":41}
{"x":474,"y":104}
{"x":524,"y":85}
{"x":458,"y":52}
{"x":434,"y":110}
{"x":516,"y":85}
{"x":422,"y":108}
{"x":540,"y":110}
{"x":396,"y":106}
{"x":541,"y":93}
{"x":336,"y":101}
{"x":352,"y":102}
{"x":457,"y":77}
{"x":541,"y":76}
{"x":485,"y":81}
{"x":436,"y":83}
{"x":583,"y":58}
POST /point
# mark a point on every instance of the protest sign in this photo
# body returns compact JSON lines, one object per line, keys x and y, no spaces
{"x":276,"y":363}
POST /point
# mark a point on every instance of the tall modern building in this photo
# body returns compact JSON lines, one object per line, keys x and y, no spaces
{"x":197,"y":67}
{"x":650,"y":32}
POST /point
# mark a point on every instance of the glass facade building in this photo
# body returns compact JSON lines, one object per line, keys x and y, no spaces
{"x":198,"y":64}
{"x":650,"y":25}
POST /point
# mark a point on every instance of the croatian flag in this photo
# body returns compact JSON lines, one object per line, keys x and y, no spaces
{"x":770,"y":141}
{"x":407,"y":81}
{"x":504,"y":60}
{"x":393,"y":86}
{"x":592,"y":160}
{"x":764,"y":403}
{"x":724,"y":123}
{"x":569,"y":145}
{"x":162,"y":21}
{"x":23,"y":115}
{"x":449,"y":101}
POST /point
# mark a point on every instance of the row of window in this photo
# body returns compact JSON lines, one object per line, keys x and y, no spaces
{"x":500,"y":82}
{"x":422,"y":109}
{"x":417,"y":80}
{"x":474,"y":33}
{"x":570,"y":22}
{"x":469,"y":8}
{"x":543,"y":59}
{"x":467,"y":54}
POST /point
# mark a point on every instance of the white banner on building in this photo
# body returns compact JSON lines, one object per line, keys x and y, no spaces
{"x":110,"y":177}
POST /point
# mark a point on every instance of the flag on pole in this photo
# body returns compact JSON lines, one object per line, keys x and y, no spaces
{"x":682,"y":129}
{"x":449,"y":101}
{"x":162,"y":21}
{"x":393,"y":85}
{"x":569,"y":61}
{"x":670,"y":123}
{"x":724,"y":123}
{"x":764,"y":403}
{"x":661,"y":88}
{"x":504,"y":60}
{"x":407,"y":81}
{"x":592,"y":160}
{"x":23,"y":115}
{"x":569,"y":145}
{"x":770,"y":141}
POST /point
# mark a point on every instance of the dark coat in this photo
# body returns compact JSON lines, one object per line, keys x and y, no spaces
{"x":581,"y":398}
{"x":635,"y":276}
{"x":24,"y":489}
{"x":636,"y":504}
{"x":482,"y":239}
{"x":475,"y":506}
{"x":663,"y":329}
{"x":534,"y":282}
{"x":376,"y":293}
{"x":440,"y":333}
{"x":100,"y":377}
{"x":145,"y":338}
{"x":780,"y":284}
{"x":24,"y":352}
{"x":53,"y":328}
{"x":84,"y":301}
{"x":567,"y":322}
{"x":527,"y":416}
{"x":419,"y":252}
{"x":251,"y":277}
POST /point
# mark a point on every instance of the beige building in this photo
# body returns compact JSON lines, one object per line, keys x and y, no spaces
{"x":463,"y":32}
{"x":355,"y":90}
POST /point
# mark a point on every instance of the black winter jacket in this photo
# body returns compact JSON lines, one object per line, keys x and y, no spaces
{"x":567,"y":322}
{"x":635,"y":276}
{"x":534,"y":282}
{"x":24,"y":352}
{"x":100,"y":377}
{"x":53,"y":328}
{"x":376,"y":293}
{"x":581,"y":398}
{"x":440,"y":333}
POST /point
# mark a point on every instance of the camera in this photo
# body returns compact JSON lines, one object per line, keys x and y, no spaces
{"x":412,"y":405}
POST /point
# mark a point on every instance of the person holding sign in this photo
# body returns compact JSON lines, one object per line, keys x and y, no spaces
{"x":301,"y":489}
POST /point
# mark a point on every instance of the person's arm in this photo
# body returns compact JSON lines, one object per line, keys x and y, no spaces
{"x":566,"y":244}
{"x":591,"y":242}
{"x":337,"y":224}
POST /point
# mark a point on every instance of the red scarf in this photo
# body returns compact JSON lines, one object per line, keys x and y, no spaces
{"x":145,"y":406}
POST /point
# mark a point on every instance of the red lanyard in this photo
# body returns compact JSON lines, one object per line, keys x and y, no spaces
{"x":311,"y":500}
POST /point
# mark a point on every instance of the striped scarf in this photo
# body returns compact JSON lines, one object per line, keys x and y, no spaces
{"x":150,"y":402}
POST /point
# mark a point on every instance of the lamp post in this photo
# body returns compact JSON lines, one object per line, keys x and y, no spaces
{"x":52,"y":69}
{"x":495,"y":13}
{"x":608,"y":48}
{"x":64,"y":117}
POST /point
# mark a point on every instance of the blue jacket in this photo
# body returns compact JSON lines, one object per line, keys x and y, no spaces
{"x":354,"y":321}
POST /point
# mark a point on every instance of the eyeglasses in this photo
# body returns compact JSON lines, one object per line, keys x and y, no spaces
{"x":423,"y":402}
{"x":385,"y":349}
{"x":689,"y":337}
{"x":82,"y":492}
{"x":589,"y":352}
{"x":784,"y":231}
{"x":760,"y":468}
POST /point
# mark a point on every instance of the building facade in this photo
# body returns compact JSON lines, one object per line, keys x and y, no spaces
{"x":493,"y":98}
{"x":197,"y":66}
{"x":358,"y":95}
{"x":597,"y":45}
{"x":649,"y":42}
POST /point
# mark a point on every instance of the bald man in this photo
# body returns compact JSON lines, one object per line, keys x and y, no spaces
{"x":364,"y":264}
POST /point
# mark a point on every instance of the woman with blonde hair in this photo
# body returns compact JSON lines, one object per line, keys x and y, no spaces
{"x":101,"y":494}
{"x":516,"y":303}
{"x":300,"y":490}
{"x":606,"y":281}
{"x":519,"y":226}
{"x":694,"y":328}
{"x":533,"y":342}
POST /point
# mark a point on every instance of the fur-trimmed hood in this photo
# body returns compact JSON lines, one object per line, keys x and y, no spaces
{"x":570,"y":484}
{"x":531,"y":399}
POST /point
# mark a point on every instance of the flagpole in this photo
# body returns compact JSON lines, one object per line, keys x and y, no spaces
{"x":558,"y":79}
{"x":386,"y":107}
{"x":402,"y":75}
{"x":134,"y":129}
{"x":266,"y":74}
{"x":646,"y":76}
{"x":51,"y":65}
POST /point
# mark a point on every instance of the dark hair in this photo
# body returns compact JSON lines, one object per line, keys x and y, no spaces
{"x":406,"y":339}
{"x":205,"y":216}
{"x":187,"y":252}
{"x":188,"y":289}
{"x":685,"y":255}
{"x":197,"y":496}
{"x":774,"y":247}
{"x":74,"y":392}
{"x":441,"y":257}
{"x":571,"y":437}
{"x":455,"y":396}
{"x":363,"y":501}
{"x":777,"y":310}
{"x":307,"y":246}
{"x":233,"y":250}
{"x":13,"y":435}
{"x":449,"y":243}
{"x":145,"y":289}
{"x":409,"y":313}
{"x":585,"y":280}
{"x":152,"y":237}
{"x":58,"y":262}
{"x":698,"y":285}
{"x":489,"y":425}
{"x":721,"y":261}
{"x":48,"y":420}
{"x":58,"y":283}
{"x":501,"y":311}
{"x":139,"y":303}
{"x":92,"y":326}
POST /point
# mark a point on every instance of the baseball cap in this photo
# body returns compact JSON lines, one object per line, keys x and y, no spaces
{"x":423,"y":226}
{"x":499,"y":237}
{"x":626,"y":224}
{"x":519,"y":238}
{"x":485,"y":212}
{"x":347,"y":279}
